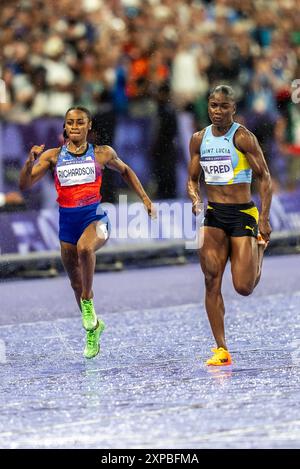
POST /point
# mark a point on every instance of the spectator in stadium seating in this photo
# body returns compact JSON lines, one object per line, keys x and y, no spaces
{"x":164,"y":153}
{"x":103,"y":132}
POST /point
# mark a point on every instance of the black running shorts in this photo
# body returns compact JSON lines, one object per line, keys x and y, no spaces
{"x":234,"y":219}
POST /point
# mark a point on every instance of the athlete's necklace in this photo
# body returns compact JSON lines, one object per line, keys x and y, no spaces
{"x":77,"y":150}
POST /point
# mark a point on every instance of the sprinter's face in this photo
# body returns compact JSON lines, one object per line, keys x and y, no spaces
{"x":77,"y":125}
{"x":221,"y":109}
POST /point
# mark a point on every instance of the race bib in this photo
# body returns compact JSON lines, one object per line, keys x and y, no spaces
{"x":217,"y":169}
{"x":79,"y":173}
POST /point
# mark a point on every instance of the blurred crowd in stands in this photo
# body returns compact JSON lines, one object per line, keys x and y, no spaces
{"x":157,"y":58}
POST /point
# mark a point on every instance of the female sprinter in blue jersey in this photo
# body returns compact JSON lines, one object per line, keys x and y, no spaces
{"x":83,"y":225}
{"x":227,"y":153}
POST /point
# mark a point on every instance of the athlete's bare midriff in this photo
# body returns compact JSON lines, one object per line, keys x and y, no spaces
{"x":233,"y":194}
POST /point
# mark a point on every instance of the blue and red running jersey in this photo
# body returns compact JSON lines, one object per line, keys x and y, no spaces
{"x":77,"y":178}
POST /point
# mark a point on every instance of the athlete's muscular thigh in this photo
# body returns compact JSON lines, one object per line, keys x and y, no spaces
{"x":93,"y":237}
{"x":214,"y":253}
{"x":244,"y":263}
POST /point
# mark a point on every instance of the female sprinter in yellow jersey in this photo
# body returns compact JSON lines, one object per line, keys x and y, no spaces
{"x":227,"y":153}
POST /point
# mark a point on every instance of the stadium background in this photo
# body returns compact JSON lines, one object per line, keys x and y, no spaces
{"x":144,"y":69}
